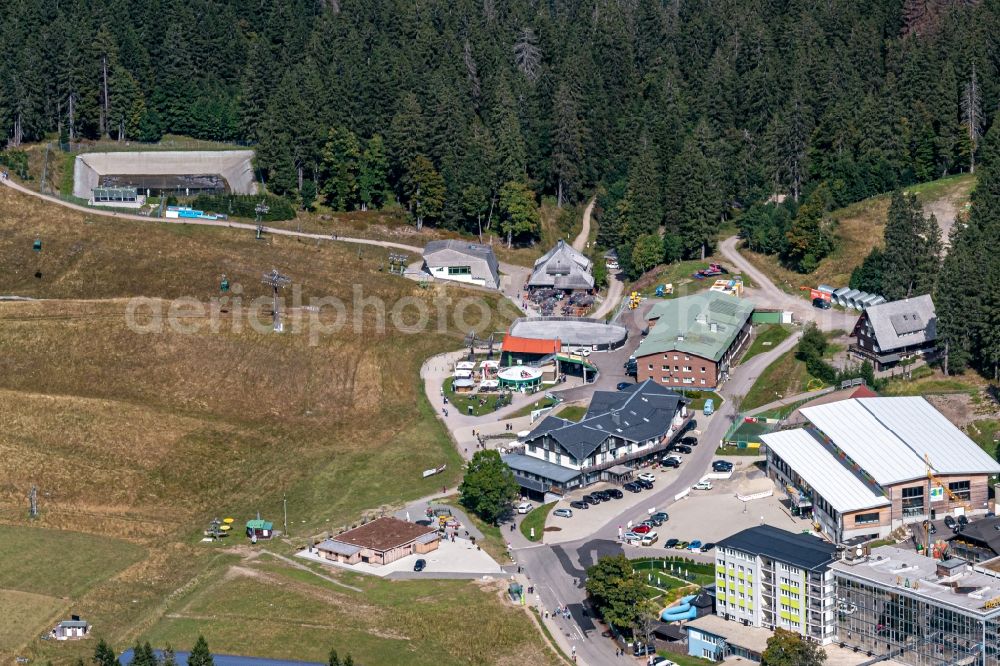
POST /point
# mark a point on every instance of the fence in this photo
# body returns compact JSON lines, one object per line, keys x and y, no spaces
{"x":172,"y":143}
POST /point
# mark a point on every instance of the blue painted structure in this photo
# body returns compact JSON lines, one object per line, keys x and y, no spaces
{"x":224,"y":660}
{"x":704,"y":644}
{"x":682,"y":611}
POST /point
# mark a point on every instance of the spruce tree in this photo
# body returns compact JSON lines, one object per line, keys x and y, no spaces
{"x":912,"y":249}
{"x":340,"y":169}
{"x":104,"y":655}
{"x":519,"y":213}
{"x":373,"y":175}
{"x":695,"y":203}
{"x":200,"y":656}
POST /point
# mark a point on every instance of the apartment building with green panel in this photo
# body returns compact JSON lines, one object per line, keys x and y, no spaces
{"x":769,"y":578}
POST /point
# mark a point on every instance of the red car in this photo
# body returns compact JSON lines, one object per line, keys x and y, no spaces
{"x":642,"y":529}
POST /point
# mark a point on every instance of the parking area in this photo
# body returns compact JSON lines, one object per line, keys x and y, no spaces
{"x":582,"y":523}
{"x":452,"y":558}
{"x":712,"y":515}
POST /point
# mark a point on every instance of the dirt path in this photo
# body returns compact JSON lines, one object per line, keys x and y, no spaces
{"x":581,"y":240}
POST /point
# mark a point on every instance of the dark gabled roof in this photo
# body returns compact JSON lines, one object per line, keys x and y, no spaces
{"x":543,"y":468}
{"x":797,"y":549}
{"x":904,"y":323}
{"x":640,"y":413}
{"x":985,"y":531}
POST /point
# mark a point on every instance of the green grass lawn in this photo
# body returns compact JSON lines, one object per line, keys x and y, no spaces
{"x":693,"y":572}
{"x":698,"y":399}
{"x":572,"y":412}
{"x":25,"y":616}
{"x":535,"y":519}
{"x":768,"y":337}
{"x":541,"y":403}
{"x":985,"y":433}
{"x":481,"y":405}
{"x":266,"y":608}
{"x":935,"y":383}
{"x":60,"y":564}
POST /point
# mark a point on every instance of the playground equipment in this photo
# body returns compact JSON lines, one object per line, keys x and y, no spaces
{"x":664,"y":290}
{"x":633,"y":300}
{"x":682,"y":611}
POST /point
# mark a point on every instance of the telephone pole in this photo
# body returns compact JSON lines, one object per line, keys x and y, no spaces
{"x":276,"y":281}
{"x":284,"y":506}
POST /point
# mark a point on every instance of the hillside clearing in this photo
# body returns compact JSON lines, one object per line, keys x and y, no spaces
{"x":860,"y":227}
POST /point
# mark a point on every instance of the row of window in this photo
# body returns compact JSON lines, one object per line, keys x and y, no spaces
{"x":459,"y":270}
{"x":687,"y":380}
{"x":677,"y":368}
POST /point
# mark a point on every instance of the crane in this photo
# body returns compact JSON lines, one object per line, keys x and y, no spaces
{"x":954,"y":498}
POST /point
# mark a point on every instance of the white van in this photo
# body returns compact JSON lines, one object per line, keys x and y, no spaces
{"x":524,"y":507}
{"x":649,"y":538}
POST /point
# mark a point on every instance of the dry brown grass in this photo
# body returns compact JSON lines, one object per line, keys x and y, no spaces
{"x":861,"y":226}
{"x":148,"y":436}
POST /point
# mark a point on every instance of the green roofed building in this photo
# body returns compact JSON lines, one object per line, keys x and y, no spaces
{"x":262,"y":529}
{"x":693,"y":340}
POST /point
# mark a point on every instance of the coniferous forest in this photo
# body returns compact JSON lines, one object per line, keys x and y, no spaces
{"x":688,"y":112}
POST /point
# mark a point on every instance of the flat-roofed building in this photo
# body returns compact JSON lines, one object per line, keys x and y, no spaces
{"x":770,"y":578}
{"x":896,"y":604}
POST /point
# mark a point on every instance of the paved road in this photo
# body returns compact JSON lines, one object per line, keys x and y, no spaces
{"x":558,"y":572}
{"x":766,"y":294}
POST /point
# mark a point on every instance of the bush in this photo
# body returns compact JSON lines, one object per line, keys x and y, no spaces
{"x":17,"y":161}
{"x":244,"y":205}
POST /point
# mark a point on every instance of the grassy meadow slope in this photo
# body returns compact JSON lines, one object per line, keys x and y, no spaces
{"x":861,"y":226}
{"x":145,"y":437}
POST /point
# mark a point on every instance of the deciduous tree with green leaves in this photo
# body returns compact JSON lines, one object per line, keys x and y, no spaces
{"x":519,"y":213}
{"x":647,"y":253}
{"x":488,"y":488}
{"x":788,"y":648}
{"x":618,"y":591}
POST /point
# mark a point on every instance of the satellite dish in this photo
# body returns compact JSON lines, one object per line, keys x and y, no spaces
{"x":859,"y":552}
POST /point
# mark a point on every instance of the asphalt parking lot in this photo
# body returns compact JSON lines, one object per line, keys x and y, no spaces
{"x":705,"y":515}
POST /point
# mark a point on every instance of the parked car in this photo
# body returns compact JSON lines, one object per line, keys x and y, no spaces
{"x":671,"y":462}
{"x":649,"y":539}
{"x":642,"y":529}
{"x":601,"y":495}
{"x":690,"y":425}
{"x":689,"y":440}
{"x":681,"y":545}
{"x":643,"y":483}
{"x":590,"y":499}
{"x":653,"y":520}
{"x":722,"y":466}
{"x":643,"y":649}
{"x":670,"y":543}
{"x":419,"y":565}
{"x":647,"y":476}
{"x":683,"y":448}
{"x":695,"y":545}
{"x":962,"y":520}
{"x":632,"y":487}
{"x":660,"y":516}
{"x":579,"y":505}
{"x":524,"y":507}
{"x":563,"y":513}
{"x":624,"y":385}
{"x":821,"y":303}
{"x":709,"y":407}
{"x":631,"y":538}
{"x":704,"y":484}
{"x":614,"y":493}
{"x":708,"y":546}
{"x":930,"y":528}
{"x":949,"y":522}
{"x":582,"y":351}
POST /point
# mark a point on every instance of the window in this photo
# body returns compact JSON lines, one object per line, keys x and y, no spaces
{"x":866,"y":518}
{"x":650,"y":366}
{"x":960,"y":489}
{"x":703,"y":368}
{"x":459,"y":270}
{"x":665,"y":368}
{"x":913,"y":501}
{"x":675,"y":357}
{"x":702,"y":382}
